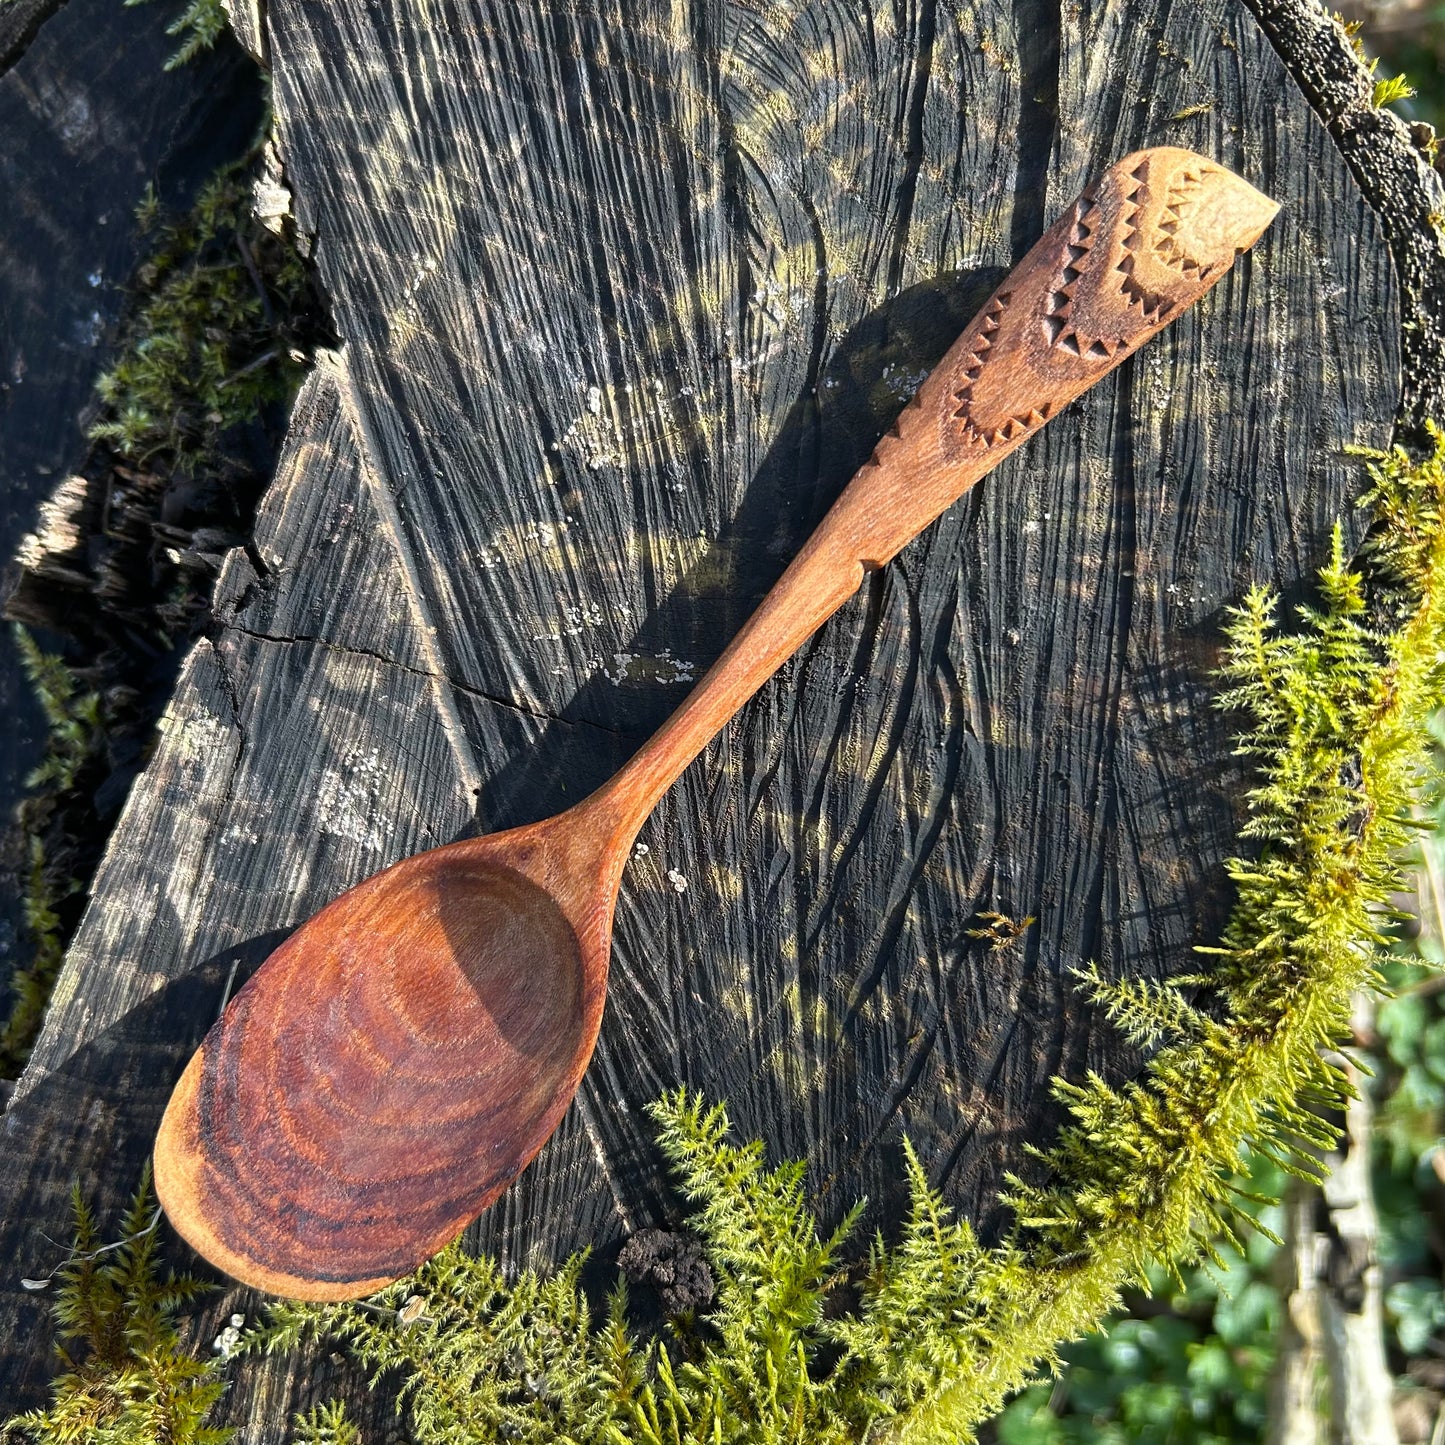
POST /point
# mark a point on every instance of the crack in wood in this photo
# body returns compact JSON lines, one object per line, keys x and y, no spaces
{"x":385,"y":503}
{"x":438,"y":680}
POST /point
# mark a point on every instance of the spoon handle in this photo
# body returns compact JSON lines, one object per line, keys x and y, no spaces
{"x":1128,"y":256}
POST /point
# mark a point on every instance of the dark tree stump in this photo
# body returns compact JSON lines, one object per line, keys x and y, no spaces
{"x":625,"y":298}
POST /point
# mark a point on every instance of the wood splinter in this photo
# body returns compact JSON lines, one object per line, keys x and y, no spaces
{"x":397,"y":1062}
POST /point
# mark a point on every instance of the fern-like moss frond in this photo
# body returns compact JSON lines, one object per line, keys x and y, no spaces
{"x":127,"y":1378}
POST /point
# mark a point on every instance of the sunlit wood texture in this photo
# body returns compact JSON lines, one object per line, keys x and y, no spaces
{"x":626,"y":295}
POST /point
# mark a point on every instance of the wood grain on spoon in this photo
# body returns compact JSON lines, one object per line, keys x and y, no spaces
{"x":398,"y":1061}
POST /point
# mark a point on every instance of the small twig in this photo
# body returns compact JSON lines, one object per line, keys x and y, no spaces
{"x":256,"y":281}
{"x":1431,"y":871}
{"x":250,"y":366}
{"x":43,"y":1281}
{"x":1424,"y":988}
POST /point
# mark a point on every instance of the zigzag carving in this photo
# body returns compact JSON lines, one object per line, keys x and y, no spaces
{"x":1131,"y":255}
{"x":1151,"y":305}
{"x":1058,"y":322}
{"x":1152,"y":308}
{"x":1014,"y":426}
{"x":1181,"y":194}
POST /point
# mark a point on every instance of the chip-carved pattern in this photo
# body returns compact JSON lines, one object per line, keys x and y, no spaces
{"x":1015,"y":426}
{"x":1136,"y":250}
{"x":1182,"y":195}
{"x":1058,"y":322}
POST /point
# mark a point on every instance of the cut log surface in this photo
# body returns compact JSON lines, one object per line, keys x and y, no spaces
{"x":626,"y":295}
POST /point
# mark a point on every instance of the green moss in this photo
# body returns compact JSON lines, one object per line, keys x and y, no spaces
{"x":126,"y":1377}
{"x":1387,"y":92}
{"x":1338,"y":712}
{"x":199,"y":26}
{"x":72,"y":716}
{"x":205,"y":351}
{"x":74,"y":742}
{"x":326,"y":1425}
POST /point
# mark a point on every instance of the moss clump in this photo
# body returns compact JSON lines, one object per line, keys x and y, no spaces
{"x":326,"y":1425}
{"x":1338,"y":713}
{"x":199,"y":26}
{"x":209,"y":348}
{"x":481,"y":1359}
{"x":209,"y":358}
{"x":131,"y":1381}
{"x":74,"y":750}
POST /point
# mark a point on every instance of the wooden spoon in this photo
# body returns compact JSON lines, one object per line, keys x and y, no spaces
{"x":396,"y":1063}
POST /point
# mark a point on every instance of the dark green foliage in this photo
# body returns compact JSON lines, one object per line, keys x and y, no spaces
{"x":127,"y":1379}
{"x":199,"y":26}
{"x":30,"y":987}
{"x":206,"y":351}
{"x":1408,"y":1057}
{"x":74,"y":741}
{"x":1188,"y":1365}
{"x":74,"y":725}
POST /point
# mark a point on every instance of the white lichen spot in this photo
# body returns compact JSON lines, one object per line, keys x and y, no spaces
{"x":640,"y":850}
{"x":229,"y":1340}
{"x":679,"y":883}
{"x":1156,"y":381}
{"x":902,"y":381}
{"x":198,"y":736}
{"x":575,"y":618}
{"x":424,"y":269}
{"x":609,"y":414}
{"x":347,"y":801}
{"x":89,"y":330}
{"x":664,"y":667}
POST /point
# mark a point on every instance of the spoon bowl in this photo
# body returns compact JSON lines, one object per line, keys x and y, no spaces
{"x":321,"y":1122}
{"x":399,"y":1060}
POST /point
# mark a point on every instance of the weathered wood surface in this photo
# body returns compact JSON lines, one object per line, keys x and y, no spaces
{"x":626,"y":295}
